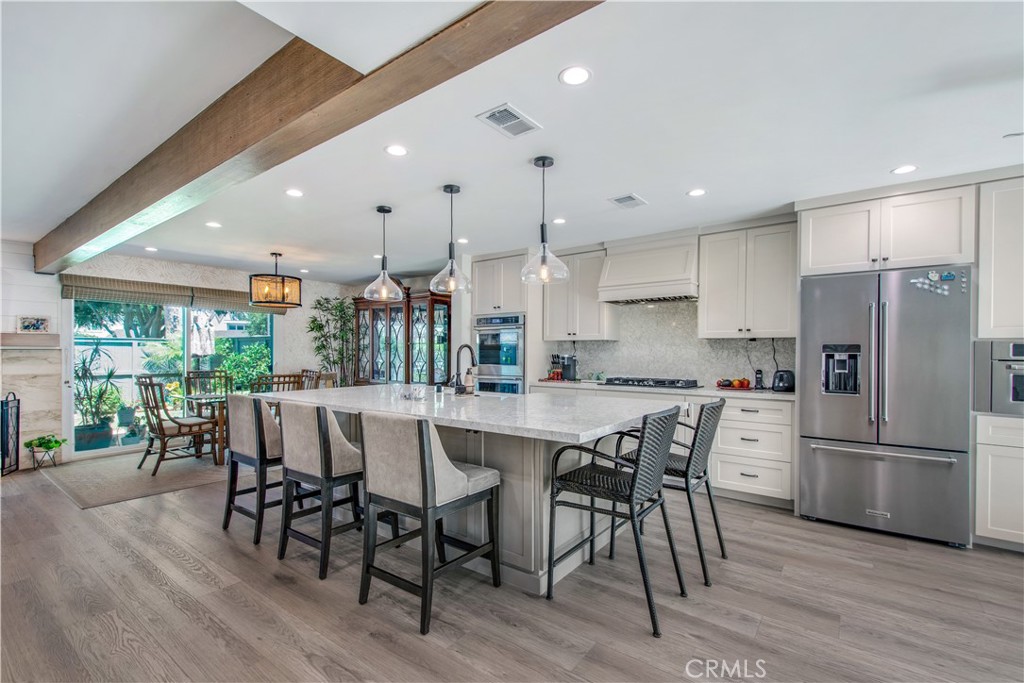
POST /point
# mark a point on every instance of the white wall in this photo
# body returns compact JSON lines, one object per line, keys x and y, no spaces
{"x":25,"y":292}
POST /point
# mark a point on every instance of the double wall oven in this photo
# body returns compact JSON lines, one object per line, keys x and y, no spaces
{"x":500,"y":352}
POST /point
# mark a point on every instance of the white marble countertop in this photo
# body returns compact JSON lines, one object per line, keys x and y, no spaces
{"x":766,"y":395}
{"x":565,"y":419}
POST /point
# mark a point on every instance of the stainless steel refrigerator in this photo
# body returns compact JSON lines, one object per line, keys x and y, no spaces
{"x":885,"y":401}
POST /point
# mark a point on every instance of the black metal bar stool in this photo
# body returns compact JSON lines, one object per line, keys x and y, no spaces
{"x":316,"y":454}
{"x":408,"y":471}
{"x":639,"y":490}
{"x":692,"y":470}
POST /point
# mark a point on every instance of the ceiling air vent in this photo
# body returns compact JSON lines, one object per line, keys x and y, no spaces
{"x":509,"y":121}
{"x":628,"y":201}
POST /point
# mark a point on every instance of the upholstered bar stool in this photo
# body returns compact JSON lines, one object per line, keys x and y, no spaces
{"x":255,"y":443}
{"x":408,"y":471}
{"x":316,"y":454}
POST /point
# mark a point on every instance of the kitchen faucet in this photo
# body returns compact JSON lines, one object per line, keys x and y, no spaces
{"x":460,"y":388}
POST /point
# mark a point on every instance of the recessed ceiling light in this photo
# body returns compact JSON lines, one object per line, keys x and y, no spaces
{"x":650,"y":305}
{"x":152,"y":249}
{"x":377,"y":256}
{"x":303,"y":270}
{"x":574,"y":75}
{"x":696,"y":192}
{"x":1012,"y":135}
{"x":396,"y":150}
{"x":558,"y":221}
{"x":462,"y":240}
{"x":293,"y":192}
{"x":213,"y":224}
{"x":900,"y":170}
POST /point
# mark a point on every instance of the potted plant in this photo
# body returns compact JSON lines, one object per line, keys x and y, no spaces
{"x":97,"y":399}
{"x":332,"y":327}
{"x":136,"y":431}
{"x":42,"y":447}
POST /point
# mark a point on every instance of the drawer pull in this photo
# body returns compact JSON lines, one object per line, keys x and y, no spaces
{"x":752,"y":476}
{"x":749,"y":410}
{"x":744,"y":438}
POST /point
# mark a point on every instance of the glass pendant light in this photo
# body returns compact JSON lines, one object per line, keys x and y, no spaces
{"x":451,"y":279}
{"x":545,"y":268}
{"x":383,"y":288}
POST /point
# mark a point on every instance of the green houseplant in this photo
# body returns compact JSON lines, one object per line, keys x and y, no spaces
{"x":332,"y":327}
{"x":44,"y":447}
{"x":97,"y":398}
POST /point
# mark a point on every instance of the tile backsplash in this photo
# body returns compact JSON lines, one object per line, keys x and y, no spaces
{"x":662,"y":342}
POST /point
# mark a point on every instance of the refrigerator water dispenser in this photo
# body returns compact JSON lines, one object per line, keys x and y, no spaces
{"x":840,"y":369}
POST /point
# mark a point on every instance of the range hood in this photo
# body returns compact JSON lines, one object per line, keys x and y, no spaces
{"x":657,"y":270}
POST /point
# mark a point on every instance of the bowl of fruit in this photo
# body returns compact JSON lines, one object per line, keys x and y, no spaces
{"x":742,"y":384}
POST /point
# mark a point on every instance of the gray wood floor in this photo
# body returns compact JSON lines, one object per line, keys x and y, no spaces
{"x":153,"y":589}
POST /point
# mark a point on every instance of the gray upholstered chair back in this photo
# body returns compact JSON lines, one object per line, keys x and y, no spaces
{"x":704,"y":437}
{"x":404,"y":460}
{"x":656,"y":432}
{"x":302,"y":435}
{"x":257,"y":437}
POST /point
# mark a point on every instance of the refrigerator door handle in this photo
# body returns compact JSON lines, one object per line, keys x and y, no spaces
{"x":872,"y":333}
{"x":950,"y":460}
{"x":884,"y":369}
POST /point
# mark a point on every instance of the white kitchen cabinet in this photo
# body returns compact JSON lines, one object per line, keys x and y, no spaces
{"x":572,"y":311}
{"x":1000,"y":245}
{"x":498,"y":286}
{"x":907,"y":231}
{"x":999,"y":499}
{"x":748,"y":283}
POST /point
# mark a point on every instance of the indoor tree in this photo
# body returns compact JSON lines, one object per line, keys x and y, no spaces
{"x":332,"y":327}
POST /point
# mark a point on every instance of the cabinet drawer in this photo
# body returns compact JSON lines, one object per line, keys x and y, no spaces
{"x":773,"y":442}
{"x":999,"y":511}
{"x":1001,"y":431}
{"x":751,"y":475}
{"x":765,"y":412}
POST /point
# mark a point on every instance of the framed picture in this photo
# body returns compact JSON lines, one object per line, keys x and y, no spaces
{"x":33,"y":324}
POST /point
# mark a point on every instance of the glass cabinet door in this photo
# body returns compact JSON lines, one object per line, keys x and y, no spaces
{"x":380,"y":344}
{"x":396,"y":343}
{"x":419,"y":342}
{"x":363,"y":348}
{"x":440,"y":345}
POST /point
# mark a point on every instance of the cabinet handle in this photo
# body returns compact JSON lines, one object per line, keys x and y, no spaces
{"x":740,"y":329}
{"x":885,"y":258}
{"x":749,"y":410}
{"x":748,"y":329}
{"x":744,"y":438}
{"x":874,"y":260}
{"x":752,"y":476}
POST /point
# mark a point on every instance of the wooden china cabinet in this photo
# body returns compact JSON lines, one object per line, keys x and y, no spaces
{"x":404,"y":341}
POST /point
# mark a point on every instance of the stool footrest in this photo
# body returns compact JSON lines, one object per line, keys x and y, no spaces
{"x":476,"y":552}
{"x":395,"y":580}
{"x":399,"y":540}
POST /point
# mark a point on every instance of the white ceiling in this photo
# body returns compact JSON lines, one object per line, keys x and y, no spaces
{"x":90,"y":88}
{"x":761,"y":104}
{"x":341,"y":28}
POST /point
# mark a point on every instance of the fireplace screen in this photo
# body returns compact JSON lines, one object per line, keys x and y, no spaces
{"x":10,"y":426}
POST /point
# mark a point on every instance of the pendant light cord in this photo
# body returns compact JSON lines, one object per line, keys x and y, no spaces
{"x":543,"y":193}
{"x":384,"y":235}
{"x":451,"y":217}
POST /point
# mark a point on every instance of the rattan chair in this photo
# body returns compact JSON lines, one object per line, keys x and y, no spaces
{"x":163,"y":427}
{"x":408,"y":472}
{"x":311,"y":379}
{"x":279,"y":382}
{"x":213,"y":382}
{"x":639,"y":490}
{"x":692,"y":470}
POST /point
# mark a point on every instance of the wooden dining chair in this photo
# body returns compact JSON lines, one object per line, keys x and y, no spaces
{"x":278,"y":382}
{"x":216,"y":382}
{"x":311,"y":379}
{"x":164,"y":427}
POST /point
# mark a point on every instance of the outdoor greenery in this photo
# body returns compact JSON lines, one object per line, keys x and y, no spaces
{"x":245,"y":367}
{"x":332,"y":327}
{"x":166,"y":358}
{"x":139,"y":321}
{"x":97,"y":398}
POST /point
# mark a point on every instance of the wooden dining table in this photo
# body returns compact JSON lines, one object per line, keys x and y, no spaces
{"x":218,"y":404}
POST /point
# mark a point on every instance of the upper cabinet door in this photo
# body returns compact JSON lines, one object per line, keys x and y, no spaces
{"x":557,"y":301}
{"x":840,"y":239}
{"x":928,"y":228}
{"x":721,"y":307}
{"x":590,"y":319}
{"x":486,"y":292}
{"x":1000,"y":245}
{"x":771,"y":281}
{"x":510,"y":284}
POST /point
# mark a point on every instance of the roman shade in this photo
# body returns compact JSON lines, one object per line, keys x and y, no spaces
{"x":91,"y":288}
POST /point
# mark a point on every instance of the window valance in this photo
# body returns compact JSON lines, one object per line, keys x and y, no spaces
{"x":91,"y":288}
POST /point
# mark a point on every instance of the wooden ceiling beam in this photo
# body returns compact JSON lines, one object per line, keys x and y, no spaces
{"x":294,"y":101}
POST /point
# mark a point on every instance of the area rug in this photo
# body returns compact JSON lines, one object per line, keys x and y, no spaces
{"x":102,"y":481}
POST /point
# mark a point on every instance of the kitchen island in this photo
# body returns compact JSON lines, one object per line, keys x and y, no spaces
{"x":514,"y":434}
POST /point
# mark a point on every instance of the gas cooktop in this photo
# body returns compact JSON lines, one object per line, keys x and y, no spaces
{"x":654,"y":382}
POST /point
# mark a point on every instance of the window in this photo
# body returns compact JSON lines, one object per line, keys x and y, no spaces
{"x":116,"y":342}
